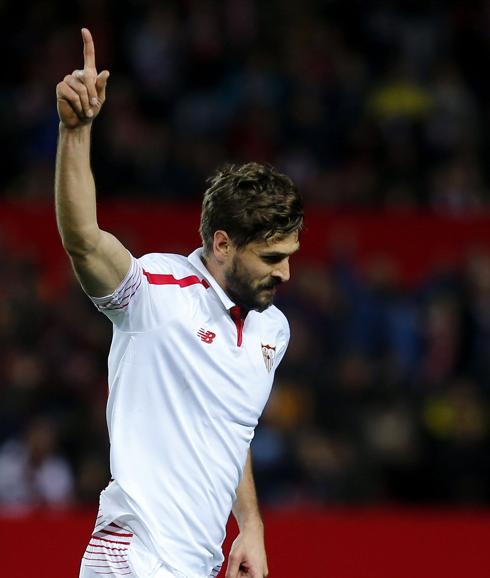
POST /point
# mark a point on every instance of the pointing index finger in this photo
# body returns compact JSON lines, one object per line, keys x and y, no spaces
{"x":88,"y":49}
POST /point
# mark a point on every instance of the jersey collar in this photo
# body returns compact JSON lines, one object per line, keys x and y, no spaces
{"x":195,"y":258}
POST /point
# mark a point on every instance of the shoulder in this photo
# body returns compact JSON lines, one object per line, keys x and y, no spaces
{"x":171,"y":270}
{"x":276,"y":319}
{"x":165,"y":263}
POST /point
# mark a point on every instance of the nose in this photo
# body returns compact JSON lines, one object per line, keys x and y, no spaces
{"x":282,"y":271}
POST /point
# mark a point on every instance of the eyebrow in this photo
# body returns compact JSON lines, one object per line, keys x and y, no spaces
{"x":276,"y":254}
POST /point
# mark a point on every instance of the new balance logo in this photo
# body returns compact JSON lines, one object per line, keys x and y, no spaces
{"x":206,"y":336}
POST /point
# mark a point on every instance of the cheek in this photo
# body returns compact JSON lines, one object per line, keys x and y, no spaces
{"x":263,"y":279}
{"x":256,"y":273}
{"x":261,"y":274}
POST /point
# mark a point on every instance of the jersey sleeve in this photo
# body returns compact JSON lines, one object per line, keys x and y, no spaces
{"x":121,"y":297}
{"x":135,"y":306}
{"x":126,"y":306}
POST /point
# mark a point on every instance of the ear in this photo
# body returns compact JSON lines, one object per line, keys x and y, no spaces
{"x":222,"y":246}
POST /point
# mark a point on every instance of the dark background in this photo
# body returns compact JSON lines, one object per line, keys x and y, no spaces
{"x":371,"y":107}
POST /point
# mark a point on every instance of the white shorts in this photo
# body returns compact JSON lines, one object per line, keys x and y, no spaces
{"x":114,"y":551}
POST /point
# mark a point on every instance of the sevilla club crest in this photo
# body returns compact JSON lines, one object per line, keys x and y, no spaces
{"x":269,"y":353}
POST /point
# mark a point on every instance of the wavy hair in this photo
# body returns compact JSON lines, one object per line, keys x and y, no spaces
{"x":251,"y":202}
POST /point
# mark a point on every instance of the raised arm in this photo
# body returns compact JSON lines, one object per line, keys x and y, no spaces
{"x":100,"y":261}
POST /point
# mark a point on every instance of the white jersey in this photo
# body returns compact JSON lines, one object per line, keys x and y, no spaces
{"x":188,"y":380}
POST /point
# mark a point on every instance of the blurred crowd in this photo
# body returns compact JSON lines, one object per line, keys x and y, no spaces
{"x":382,"y":397}
{"x":53,"y":367}
{"x":384,"y":393}
{"x":364,"y":104}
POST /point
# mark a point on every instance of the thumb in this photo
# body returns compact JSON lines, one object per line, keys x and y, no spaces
{"x":100,"y":84}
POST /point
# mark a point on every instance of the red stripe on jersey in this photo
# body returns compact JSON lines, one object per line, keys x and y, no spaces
{"x":106,"y":562}
{"x":120,"y":534}
{"x":106,"y":547}
{"x":111,"y":541}
{"x":159,"y":279}
{"x":87,"y":551}
{"x":106,"y":566}
{"x":236,"y":315}
{"x":111,"y":572}
{"x":90,"y":556}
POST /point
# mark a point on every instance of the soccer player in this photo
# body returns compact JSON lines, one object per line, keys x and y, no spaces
{"x":195,"y":345}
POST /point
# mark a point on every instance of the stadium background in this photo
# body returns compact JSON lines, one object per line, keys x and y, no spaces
{"x":372,"y":456}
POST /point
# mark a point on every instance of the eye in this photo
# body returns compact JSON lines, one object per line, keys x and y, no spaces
{"x":272,"y":260}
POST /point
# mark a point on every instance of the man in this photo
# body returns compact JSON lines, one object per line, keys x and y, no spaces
{"x":195,"y":346}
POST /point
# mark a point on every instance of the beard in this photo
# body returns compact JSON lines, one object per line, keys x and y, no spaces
{"x":240,"y":288}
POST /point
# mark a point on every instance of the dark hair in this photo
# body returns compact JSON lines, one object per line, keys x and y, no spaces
{"x":250,"y":202}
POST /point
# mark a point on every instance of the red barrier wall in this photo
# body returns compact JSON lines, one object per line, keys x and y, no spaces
{"x":331,"y":544}
{"x":415,"y":243}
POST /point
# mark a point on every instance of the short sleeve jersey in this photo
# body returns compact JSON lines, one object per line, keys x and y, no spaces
{"x":188,"y":380}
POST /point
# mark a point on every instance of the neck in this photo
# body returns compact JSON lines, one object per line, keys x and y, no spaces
{"x":214,"y":268}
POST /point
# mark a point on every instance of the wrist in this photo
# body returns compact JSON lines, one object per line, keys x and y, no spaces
{"x":77,"y":130}
{"x":251,"y":524}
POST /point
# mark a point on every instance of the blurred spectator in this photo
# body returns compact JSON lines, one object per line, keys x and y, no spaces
{"x":376,"y":105}
{"x":383,"y":395}
{"x":32,"y":472}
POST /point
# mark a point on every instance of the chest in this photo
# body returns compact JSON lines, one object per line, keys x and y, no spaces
{"x":224,"y":366}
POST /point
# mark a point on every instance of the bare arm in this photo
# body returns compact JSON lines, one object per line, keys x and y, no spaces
{"x":99,"y":259}
{"x":247,"y":555}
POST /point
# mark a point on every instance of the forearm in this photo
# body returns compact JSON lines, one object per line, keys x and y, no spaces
{"x":75,"y":191}
{"x":247,"y":554}
{"x":246,"y":507}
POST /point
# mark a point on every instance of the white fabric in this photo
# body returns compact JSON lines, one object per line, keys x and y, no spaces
{"x":113,"y":551}
{"x":184,"y":400}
